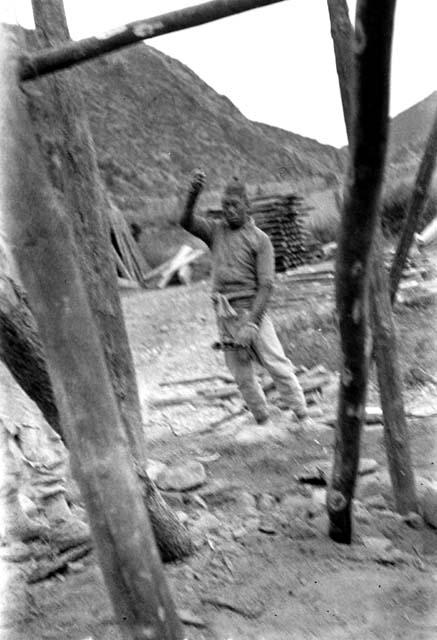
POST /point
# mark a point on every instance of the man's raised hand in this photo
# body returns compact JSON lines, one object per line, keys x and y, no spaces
{"x":197,"y":181}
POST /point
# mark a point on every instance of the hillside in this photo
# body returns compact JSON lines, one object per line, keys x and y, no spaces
{"x":408,"y":133}
{"x":153,"y":121}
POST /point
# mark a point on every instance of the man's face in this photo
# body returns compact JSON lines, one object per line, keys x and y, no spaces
{"x":235,"y":210}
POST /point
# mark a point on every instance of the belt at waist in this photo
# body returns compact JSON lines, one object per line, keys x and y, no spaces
{"x":222,"y":302}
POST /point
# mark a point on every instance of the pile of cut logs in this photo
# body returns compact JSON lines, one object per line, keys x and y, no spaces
{"x":282,"y":218}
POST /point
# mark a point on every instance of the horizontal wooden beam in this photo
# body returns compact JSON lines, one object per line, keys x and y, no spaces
{"x":73,"y":53}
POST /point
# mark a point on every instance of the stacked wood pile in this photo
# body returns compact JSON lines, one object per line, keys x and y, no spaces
{"x":282,"y":217}
{"x":131,"y":265}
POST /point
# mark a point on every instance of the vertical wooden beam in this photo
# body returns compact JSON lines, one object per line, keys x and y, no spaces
{"x":44,"y":249}
{"x":371,"y":51}
{"x":389,"y":377}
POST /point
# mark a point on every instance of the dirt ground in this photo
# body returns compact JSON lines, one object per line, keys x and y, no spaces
{"x":264,"y":567}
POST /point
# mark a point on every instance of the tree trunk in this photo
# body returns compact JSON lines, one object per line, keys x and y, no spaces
{"x":73,"y":168}
{"x":369,"y":88}
{"x":43,"y":246}
{"x":415,"y":209}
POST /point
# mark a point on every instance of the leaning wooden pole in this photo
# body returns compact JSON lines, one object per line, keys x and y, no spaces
{"x":88,"y":48}
{"x":372,"y":51}
{"x":101,"y":462}
{"x":416,"y":207}
{"x":72,"y":163}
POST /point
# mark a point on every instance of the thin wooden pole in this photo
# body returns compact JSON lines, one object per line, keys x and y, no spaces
{"x":88,"y":48}
{"x":101,"y":461}
{"x":416,"y":207}
{"x":372,"y":52}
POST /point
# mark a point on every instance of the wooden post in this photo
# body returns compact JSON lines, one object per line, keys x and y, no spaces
{"x":415,"y":209}
{"x":44,"y":249}
{"x":371,"y":51}
{"x":74,"y":168}
{"x":389,"y":378}
{"x":88,"y":48}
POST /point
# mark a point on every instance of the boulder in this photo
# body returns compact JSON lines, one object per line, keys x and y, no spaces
{"x":266,"y":502}
{"x":182,"y":477}
{"x":154,"y":468}
{"x":252,"y":434}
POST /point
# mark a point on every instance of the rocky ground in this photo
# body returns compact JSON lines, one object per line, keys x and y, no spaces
{"x":253,"y":498}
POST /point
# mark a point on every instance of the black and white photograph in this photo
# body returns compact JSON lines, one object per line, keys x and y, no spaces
{"x":218,"y":343}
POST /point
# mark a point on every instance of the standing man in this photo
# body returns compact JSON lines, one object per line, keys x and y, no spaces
{"x":242,"y":285}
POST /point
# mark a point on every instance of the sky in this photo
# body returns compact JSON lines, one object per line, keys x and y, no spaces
{"x":275,"y":63}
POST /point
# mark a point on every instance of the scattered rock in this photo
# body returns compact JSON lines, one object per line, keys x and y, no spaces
{"x":246,"y":503}
{"x":414,"y":520}
{"x":207,"y":523}
{"x":299,"y":506}
{"x":266,"y":525}
{"x":182,"y":516}
{"x":377,"y":546}
{"x":28,"y":506}
{"x":294,"y":505}
{"x":16,"y":552}
{"x":182,"y":477}
{"x":316,"y":473}
{"x":239,"y":533}
{"x":376,"y":502}
{"x":375,"y":485}
{"x":248,"y":607}
{"x":154,"y":468}
{"x":367,"y":465}
{"x":76,"y":567}
{"x":218,"y":492}
{"x":429,"y":506}
{"x":186,"y":616}
{"x":374,"y":415}
{"x":266,"y":502}
{"x":315,"y":412}
{"x":360,"y":513}
{"x":252,"y":434}
{"x":396,"y":556}
{"x":208,"y":458}
{"x":321,"y":523}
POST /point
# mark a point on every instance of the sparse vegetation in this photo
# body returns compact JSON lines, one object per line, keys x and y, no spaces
{"x":311,"y":338}
{"x":395,"y":206}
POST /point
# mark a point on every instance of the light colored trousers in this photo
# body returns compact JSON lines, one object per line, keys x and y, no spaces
{"x":271,"y":356}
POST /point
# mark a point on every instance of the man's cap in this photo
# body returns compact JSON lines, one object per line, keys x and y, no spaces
{"x":236,"y":188}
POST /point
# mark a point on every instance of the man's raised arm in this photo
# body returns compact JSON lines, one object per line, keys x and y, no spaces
{"x":189,"y":221}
